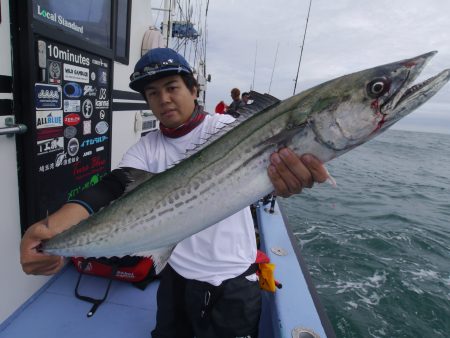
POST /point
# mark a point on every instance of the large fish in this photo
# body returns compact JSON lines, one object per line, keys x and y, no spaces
{"x":229,"y":171}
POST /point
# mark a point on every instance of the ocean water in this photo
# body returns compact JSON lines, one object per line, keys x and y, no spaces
{"x":378,"y":245}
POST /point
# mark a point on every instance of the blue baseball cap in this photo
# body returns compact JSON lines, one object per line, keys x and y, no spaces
{"x":156,"y":64}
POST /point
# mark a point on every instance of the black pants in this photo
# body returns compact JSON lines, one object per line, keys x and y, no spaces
{"x":189,"y":308}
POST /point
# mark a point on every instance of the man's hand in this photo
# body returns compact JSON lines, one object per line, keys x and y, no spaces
{"x":290,"y":173}
{"x":35,"y":262}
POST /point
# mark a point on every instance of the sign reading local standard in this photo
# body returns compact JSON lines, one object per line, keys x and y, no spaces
{"x":58,"y":19}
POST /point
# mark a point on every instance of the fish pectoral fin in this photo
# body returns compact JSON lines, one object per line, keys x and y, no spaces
{"x":159,"y":257}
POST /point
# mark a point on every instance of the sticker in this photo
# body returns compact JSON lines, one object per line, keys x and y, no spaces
{"x":71,"y":106}
{"x":49,"y":133}
{"x":89,"y":90}
{"x":49,"y":119}
{"x":100,"y":63}
{"x":50,"y":145}
{"x":87,"y":109}
{"x":79,"y":169}
{"x":87,"y":127}
{"x":102,"y":76}
{"x":70,"y":132}
{"x":100,"y":104}
{"x":72,"y":119}
{"x":72,"y":89}
{"x":101,"y":127}
{"x":102,"y":114}
{"x":102,"y":94}
{"x":75,"y":73}
{"x":87,"y":153}
{"x":94,"y":141}
{"x":54,"y":72}
{"x":47,"y":96}
{"x":99,"y":149}
{"x":73,"y":146}
{"x":93,"y":76}
{"x":97,"y":162}
{"x":59,"y":159}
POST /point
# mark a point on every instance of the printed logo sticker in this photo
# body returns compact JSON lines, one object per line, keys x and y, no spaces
{"x":75,"y":73}
{"x":89,"y":90}
{"x":60,"y":158}
{"x":54,"y":72}
{"x":100,"y":63}
{"x":73,"y":146}
{"x":102,"y":76}
{"x":102,"y":114}
{"x":94,"y":141}
{"x":102,"y":94}
{"x":101,"y":127}
{"x":49,"y":133}
{"x":87,"y":127}
{"x":72,"y":89}
{"x":50,"y":145}
{"x":100,"y":104}
{"x":71,"y":106}
{"x":70,"y":132}
{"x":87,"y":109}
{"x":49,"y":119}
{"x":47,"y":97}
{"x":72,"y":119}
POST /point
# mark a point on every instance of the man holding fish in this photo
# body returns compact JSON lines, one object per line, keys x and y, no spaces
{"x":209,"y":287}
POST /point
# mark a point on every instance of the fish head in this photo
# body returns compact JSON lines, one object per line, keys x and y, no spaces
{"x":354,"y":108}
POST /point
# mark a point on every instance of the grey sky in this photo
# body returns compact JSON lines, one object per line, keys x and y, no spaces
{"x":343,"y":36}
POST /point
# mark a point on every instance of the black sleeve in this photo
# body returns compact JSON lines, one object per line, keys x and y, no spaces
{"x":111,"y":187}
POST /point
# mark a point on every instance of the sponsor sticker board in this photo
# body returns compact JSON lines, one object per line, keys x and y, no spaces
{"x":73,"y":122}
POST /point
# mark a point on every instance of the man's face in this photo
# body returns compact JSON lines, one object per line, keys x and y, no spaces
{"x":170,"y":100}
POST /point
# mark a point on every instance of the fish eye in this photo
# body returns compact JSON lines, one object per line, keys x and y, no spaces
{"x":378,"y":87}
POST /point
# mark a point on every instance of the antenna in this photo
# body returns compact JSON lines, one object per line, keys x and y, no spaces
{"x":254,"y":66}
{"x":303,"y":44}
{"x":273,"y":68}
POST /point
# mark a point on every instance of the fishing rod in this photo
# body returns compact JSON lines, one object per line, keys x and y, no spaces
{"x":273,"y":68}
{"x":254,"y":66}
{"x":303,"y":44}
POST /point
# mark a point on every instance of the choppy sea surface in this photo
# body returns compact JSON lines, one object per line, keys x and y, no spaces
{"x":378,"y":245}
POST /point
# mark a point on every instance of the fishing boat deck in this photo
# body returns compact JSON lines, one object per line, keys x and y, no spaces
{"x":55,"y":311}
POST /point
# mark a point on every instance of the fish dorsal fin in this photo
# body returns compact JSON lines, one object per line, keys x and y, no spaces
{"x":260,"y":103}
{"x":134,"y":178}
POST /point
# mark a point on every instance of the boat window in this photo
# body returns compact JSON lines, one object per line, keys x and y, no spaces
{"x":90,"y":21}
{"x":123,"y":30}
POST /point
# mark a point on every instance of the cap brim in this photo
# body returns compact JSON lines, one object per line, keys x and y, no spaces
{"x":140,"y":83}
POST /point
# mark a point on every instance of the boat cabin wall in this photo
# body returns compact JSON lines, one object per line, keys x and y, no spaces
{"x":15,"y":286}
{"x":130,"y":118}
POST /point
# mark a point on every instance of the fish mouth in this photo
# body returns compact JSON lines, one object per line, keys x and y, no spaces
{"x":408,"y":95}
{"x":411,"y":68}
{"x":424,"y":88}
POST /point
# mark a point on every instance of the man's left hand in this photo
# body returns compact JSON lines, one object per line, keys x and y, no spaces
{"x":290,"y":173}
